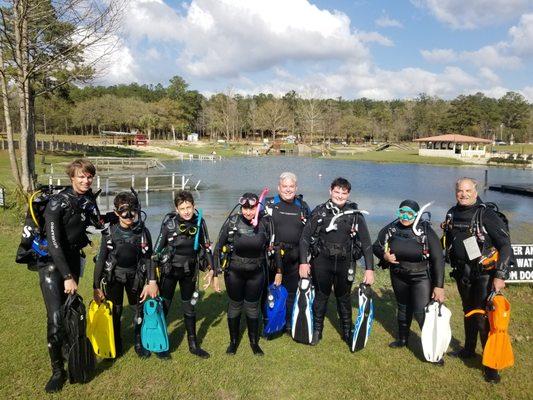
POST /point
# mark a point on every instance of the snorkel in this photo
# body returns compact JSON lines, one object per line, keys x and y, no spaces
{"x":258,"y":209}
{"x":417,"y":219}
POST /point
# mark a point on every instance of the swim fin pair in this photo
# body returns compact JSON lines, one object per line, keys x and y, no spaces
{"x":498,"y":352}
{"x":302,"y":312}
{"x":365,"y":318}
{"x":154,"y":335}
{"x":275,"y":309}
{"x":436,"y":332}
{"x":100,"y":328}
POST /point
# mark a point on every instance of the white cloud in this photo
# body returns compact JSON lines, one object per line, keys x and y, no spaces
{"x":374,"y":37}
{"x":493,"y":56}
{"x":440,"y":55}
{"x":527,"y":92}
{"x":229,"y":37}
{"x":489,"y":75}
{"x":113,"y":61}
{"x":508,"y":54}
{"x":386,"y":22}
{"x":522,"y":36}
{"x":365,"y":80}
{"x":472,"y":14}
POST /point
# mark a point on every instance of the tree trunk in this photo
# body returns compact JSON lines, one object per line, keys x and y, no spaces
{"x":9,"y":127}
{"x":173,"y":133}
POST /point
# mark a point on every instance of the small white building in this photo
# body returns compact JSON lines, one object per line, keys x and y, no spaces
{"x":453,"y":146}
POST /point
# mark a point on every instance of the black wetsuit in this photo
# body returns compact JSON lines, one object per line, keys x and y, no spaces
{"x":473,"y":281}
{"x":288,"y":220}
{"x":67,"y":216}
{"x":179,"y":262}
{"x":333,"y":254}
{"x":245,"y":274}
{"x":124,"y":263}
{"x":420,"y":269}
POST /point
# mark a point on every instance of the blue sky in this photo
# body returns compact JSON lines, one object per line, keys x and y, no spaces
{"x":358,"y":48}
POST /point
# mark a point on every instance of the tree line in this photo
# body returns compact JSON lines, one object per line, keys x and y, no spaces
{"x":173,"y":111}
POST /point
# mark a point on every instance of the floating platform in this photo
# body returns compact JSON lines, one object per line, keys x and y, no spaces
{"x":524,"y":190}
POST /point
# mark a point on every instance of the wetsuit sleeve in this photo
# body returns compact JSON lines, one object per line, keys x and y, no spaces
{"x":147,"y":257}
{"x":53,"y":215}
{"x":366,"y":242}
{"x":307,"y":233}
{"x":306,"y":210}
{"x":500,"y":239}
{"x":222,"y":240}
{"x":436,"y":259}
{"x":161,"y":241}
{"x":379,"y":245}
{"x":205,"y":247}
{"x":100,"y":262}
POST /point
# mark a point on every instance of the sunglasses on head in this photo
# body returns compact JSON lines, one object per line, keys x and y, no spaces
{"x":248,"y":201}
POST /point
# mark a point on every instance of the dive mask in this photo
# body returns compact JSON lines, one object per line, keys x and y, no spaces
{"x":406,"y":214}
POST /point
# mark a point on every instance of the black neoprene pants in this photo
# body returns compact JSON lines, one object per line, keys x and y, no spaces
{"x":53,"y":290}
{"x":413,"y":293}
{"x":167,"y":288}
{"x":244,"y":287}
{"x":474,"y":290}
{"x":115,"y":293}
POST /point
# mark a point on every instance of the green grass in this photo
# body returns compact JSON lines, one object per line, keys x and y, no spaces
{"x":398,"y":156}
{"x":522,"y":148}
{"x":287,"y":371}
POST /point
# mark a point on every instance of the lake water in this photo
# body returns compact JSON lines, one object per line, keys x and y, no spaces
{"x":376,"y":187}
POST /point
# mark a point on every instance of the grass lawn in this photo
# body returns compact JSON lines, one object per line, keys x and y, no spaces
{"x":287,"y":371}
{"x":522,"y":148}
{"x":398,"y":156}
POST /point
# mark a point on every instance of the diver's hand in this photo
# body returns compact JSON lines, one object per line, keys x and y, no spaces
{"x":208,"y":278}
{"x":216,"y":284}
{"x":369,"y":277}
{"x":151,"y":290}
{"x":71,"y":286}
{"x":498,"y":284}
{"x":305,"y":270}
{"x":438,"y":295}
{"x":98,"y":296}
{"x":390,"y":258}
{"x":277,"y":279}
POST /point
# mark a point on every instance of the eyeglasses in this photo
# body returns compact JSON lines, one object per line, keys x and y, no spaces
{"x":248,"y":201}
{"x":191,"y":229}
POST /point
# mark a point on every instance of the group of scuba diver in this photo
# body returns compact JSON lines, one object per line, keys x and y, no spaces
{"x":280,"y":262}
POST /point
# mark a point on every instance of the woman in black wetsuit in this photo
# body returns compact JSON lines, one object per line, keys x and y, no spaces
{"x":416,"y":265}
{"x":241,"y":251}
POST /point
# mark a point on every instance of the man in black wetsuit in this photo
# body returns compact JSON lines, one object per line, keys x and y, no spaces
{"x":473,"y":231}
{"x":289,"y":214}
{"x":335,"y":236}
{"x":67,"y":216}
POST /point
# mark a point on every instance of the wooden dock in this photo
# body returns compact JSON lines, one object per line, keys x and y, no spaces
{"x":524,"y":190}
{"x":113,"y":183}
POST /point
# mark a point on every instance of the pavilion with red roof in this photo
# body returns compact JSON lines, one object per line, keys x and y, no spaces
{"x":451,"y":145}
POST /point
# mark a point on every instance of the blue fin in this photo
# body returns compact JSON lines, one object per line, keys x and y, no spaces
{"x":154,"y":335}
{"x":276,"y":314}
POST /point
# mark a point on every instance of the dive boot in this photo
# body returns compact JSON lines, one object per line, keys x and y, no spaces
{"x":253,"y":335}
{"x":59,"y":376}
{"x":194,"y":348}
{"x":234,"y":327}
